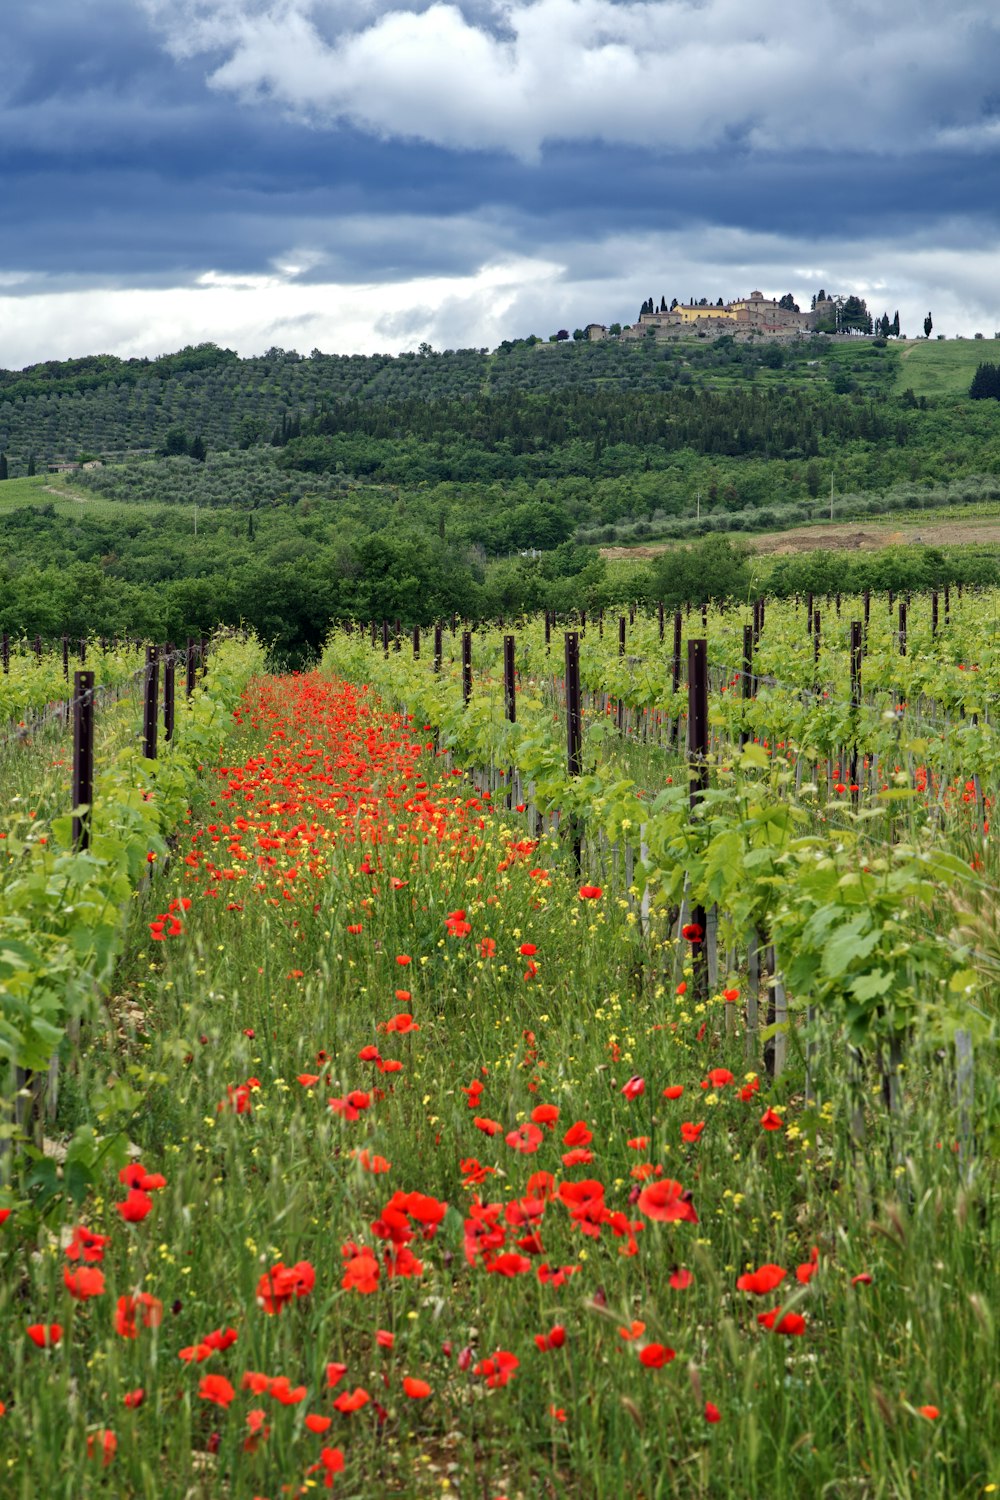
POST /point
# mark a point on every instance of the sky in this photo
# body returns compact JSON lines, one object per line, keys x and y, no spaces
{"x":367,"y":175}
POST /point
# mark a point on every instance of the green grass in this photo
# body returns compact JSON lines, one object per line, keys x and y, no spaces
{"x":66,"y":499}
{"x":942,"y":367}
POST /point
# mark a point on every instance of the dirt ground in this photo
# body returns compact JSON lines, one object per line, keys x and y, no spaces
{"x":852,"y":536}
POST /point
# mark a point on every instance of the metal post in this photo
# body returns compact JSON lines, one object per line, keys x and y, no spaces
{"x":438,"y":648}
{"x":659,"y":612}
{"x":934,"y":612}
{"x":385,"y":637}
{"x":621,"y":635}
{"x":191,"y":666}
{"x":466,"y":665}
{"x":816,"y":640}
{"x":83,"y":756}
{"x":902,"y":627}
{"x":151,"y":686}
{"x":867,"y":597}
{"x":583,"y":622}
{"x":397,"y":637}
{"x":548,"y":631}
{"x":809,"y":613}
{"x":65,"y":652}
{"x":510,"y":704}
{"x":678,"y":632}
{"x":83,"y":650}
{"x":416,"y":643}
{"x":168,"y":694}
{"x":947,"y":603}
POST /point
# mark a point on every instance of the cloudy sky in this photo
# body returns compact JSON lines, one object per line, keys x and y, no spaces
{"x":359,"y":175}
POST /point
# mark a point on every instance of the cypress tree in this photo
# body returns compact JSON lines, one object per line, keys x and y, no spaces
{"x":3,"y":465}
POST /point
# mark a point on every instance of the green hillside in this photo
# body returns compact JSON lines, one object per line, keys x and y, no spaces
{"x":942,"y":367}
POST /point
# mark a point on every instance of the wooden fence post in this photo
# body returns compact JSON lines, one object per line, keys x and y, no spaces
{"x":698,"y":777}
{"x":466,"y":666}
{"x":83,"y":757}
{"x":168,"y":694}
{"x":151,"y":685}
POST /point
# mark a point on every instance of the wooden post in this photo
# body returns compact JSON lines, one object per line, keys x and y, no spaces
{"x":83,"y":756}
{"x":809,"y":613}
{"x":397,"y":637}
{"x":698,"y":775}
{"x":621,"y":635}
{"x":867,"y":597}
{"x":746,"y":675}
{"x":934,"y":612}
{"x":466,"y":665}
{"x":168,"y":694}
{"x":902,"y":627}
{"x":416,"y":643}
{"x":678,"y":632}
{"x":151,"y":685}
{"x":192,"y":667}
{"x":856,"y":637}
{"x":816,"y":641}
{"x":510,"y":701}
{"x":438,"y":649}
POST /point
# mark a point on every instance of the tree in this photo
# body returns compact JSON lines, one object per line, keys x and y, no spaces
{"x":31,"y":464}
{"x":198,"y":450}
{"x":895,"y":325}
{"x":615,"y":328}
{"x":3,"y":465}
{"x":788,"y":302}
{"x":928,"y":325}
{"x":579,"y":334}
{"x":562,"y":335}
{"x":985,"y":383}
{"x":175,"y":442}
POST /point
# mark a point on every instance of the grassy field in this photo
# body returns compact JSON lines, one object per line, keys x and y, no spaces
{"x":942,"y":367}
{"x":59,"y":491}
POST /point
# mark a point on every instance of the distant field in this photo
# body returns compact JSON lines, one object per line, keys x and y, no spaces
{"x":942,"y":367}
{"x":56,"y":490}
{"x":975,"y":525}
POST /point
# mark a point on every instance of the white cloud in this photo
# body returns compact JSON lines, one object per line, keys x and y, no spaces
{"x":564,"y":285}
{"x":674,"y":74}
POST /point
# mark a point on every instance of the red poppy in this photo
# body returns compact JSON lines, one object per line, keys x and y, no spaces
{"x":216,"y":1388}
{"x":930,"y":1412}
{"x":361,"y":1272}
{"x":554,"y":1339}
{"x":417,"y":1390}
{"x":282,"y":1390}
{"x":85,"y":1244}
{"x":590,"y":893}
{"x":45,"y":1335}
{"x":718,"y":1078}
{"x":808,"y":1269}
{"x":712,"y":1412}
{"x":318,"y":1424}
{"x":692,"y":932}
{"x":526,"y":1138}
{"x":487,"y":947}
{"x":667,"y":1202}
{"x":143,"y":1307}
{"x":335,"y":1373}
{"x":499,"y":1368}
{"x":545,"y":1114}
{"x":87,"y":1282}
{"x":730,"y":996}
{"x":351,"y":1401}
{"x":761,"y":1281}
{"x":770,"y":1121}
{"x":680,"y":1279}
{"x":673,"y":1091}
{"x":864,"y":1278}
{"x":578,"y":1134}
{"x":692,"y":1132}
{"x":102,"y":1444}
{"x":279,"y":1285}
{"x":792,"y":1323}
{"x":634,"y":1087}
{"x":136,"y":1206}
{"x":655,"y":1356}
{"x":134,"y":1399}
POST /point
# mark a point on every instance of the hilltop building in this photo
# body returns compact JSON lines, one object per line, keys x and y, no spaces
{"x":756,"y":315}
